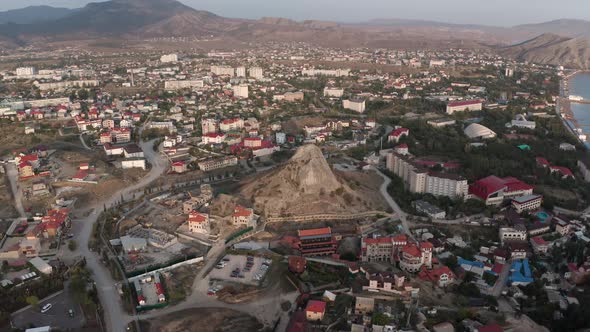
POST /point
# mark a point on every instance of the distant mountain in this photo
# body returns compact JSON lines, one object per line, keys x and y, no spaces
{"x":34,"y":14}
{"x":552,"y":49}
{"x":563,"y":27}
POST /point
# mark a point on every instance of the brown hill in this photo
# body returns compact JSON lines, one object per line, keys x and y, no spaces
{"x":552,"y":49}
{"x":305,"y":185}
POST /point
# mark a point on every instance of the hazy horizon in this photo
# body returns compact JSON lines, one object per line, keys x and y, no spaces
{"x":493,"y":13}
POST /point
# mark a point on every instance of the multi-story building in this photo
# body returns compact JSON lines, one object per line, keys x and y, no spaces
{"x":222,"y":71}
{"x":527,"y":203}
{"x":233,"y":124}
{"x":317,"y":242}
{"x":186,"y":84}
{"x":217,"y":163}
{"x":243,"y":216}
{"x":198,"y":222}
{"x":256,"y":72}
{"x":357,"y":105}
{"x":333,"y":92}
{"x":26,"y":71}
{"x":208,"y":126}
{"x":421,"y":180}
{"x":241,"y":91}
{"x":465,"y":105}
{"x":213,"y":138}
{"x":169,"y":58}
{"x":516,"y":233}
{"x":411,"y":256}
{"x":326,"y":72}
{"x":241,"y":72}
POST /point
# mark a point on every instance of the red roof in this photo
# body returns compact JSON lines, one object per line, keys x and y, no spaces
{"x":426,"y":245}
{"x":563,"y":170}
{"x":412,"y":250}
{"x":485,"y":187}
{"x":399,"y":131}
{"x":542,"y":161}
{"x":315,"y":231}
{"x":371,"y":240}
{"x":464,"y":103}
{"x":240,"y":211}
{"x":316,"y":306}
{"x":195,"y":216}
{"x":539,"y":240}
{"x":497,"y":268}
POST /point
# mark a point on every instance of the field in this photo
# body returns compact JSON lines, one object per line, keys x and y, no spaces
{"x":191,"y":320}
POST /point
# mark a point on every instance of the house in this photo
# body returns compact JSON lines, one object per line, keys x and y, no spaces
{"x":40,"y":265}
{"x":179,"y":167}
{"x":243,"y":216}
{"x":315,"y":310}
{"x":520,"y":273}
{"x":132,"y":151}
{"x":540,"y":246}
{"x":442,"y":276}
{"x":396,"y":134}
{"x":198,"y":222}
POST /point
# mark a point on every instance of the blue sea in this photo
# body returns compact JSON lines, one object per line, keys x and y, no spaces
{"x":580,"y":86}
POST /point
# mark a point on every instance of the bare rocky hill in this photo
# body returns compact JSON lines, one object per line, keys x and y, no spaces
{"x":306,"y":185}
{"x":552,"y":49}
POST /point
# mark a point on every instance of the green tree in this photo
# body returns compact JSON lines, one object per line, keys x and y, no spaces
{"x":33,"y":301}
{"x":72,"y":245}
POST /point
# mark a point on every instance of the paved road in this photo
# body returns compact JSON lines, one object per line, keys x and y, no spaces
{"x":115,"y":316}
{"x":84,"y":142}
{"x":392,"y":203}
{"x":12,"y":174}
{"x":57,"y":316}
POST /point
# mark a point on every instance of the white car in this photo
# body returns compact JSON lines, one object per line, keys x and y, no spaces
{"x":46,"y":308}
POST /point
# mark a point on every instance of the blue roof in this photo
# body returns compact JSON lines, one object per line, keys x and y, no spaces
{"x":462,"y":261}
{"x":520,"y":271}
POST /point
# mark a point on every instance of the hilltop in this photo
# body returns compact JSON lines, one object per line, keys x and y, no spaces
{"x":307,"y":185}
{"x":552,"y":49}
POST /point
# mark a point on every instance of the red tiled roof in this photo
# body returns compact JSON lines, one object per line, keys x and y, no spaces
{"x":539,"y":240}
{"x":371,"y":240}
{"x":315,"y":231}
{"x":490,"y":328}
{"x":316,"y":306}
{"x":399,"y":131}
{"x":563,"y":170}
{"x":464,"y":103}
{"x":195,"y":216}
{"x":412,"y":250}
{"x":240,"y":211}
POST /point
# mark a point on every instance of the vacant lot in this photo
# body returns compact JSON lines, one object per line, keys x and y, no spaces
{"x":217,"y":319}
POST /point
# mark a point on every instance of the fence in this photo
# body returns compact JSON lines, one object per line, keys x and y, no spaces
{"x":137,"y":274}
{"x":327,"y":216}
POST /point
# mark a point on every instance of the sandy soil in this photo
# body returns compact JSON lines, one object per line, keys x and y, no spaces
{"x":192,"y":320}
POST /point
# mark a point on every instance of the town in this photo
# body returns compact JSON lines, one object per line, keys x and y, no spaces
{"x":288,"y":187}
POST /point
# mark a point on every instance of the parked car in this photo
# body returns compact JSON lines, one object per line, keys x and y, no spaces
{"x":71,"y":313}
{"x":46,"y":308}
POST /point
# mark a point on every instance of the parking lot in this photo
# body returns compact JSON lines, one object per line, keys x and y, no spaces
{"x":237,"y":266}
{"x":56,"y":317}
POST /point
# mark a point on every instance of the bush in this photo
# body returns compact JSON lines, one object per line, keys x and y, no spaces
{"x":72,"y":245}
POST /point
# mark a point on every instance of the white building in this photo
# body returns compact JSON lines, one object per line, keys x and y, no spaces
{"x":333,"y":92}
{"x":516,"y":233}
{"x":465,"y":105}
{"x":25,"y":72}
{"x":241,"y":72}
{"x":222,"y":71}
{"x":326,"y":72}
{"x":241,"y":91}
{"x":527,"y":203}
{"x":169,"y":58}
{"x":357,"y":105}
{"x":199,"y":223}
{"x":187,"y":84}
{"x":256,"y":72}
{"x":208,"y":125}
{"x":133,"y":163}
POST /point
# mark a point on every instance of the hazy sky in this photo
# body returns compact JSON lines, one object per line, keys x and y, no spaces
{"x":489,"y":12}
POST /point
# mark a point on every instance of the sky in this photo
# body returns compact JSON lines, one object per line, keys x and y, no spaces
{"x":487,"y":12}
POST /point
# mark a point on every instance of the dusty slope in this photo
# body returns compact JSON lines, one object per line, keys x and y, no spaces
{"x":554,"y":50}
{"x":306,"y":185}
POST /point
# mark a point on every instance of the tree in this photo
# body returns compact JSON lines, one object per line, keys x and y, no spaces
{"x":72,"y":245}
{"x":33,"y":301}
{"x":380,"y":319}
{"x":83,"y":94}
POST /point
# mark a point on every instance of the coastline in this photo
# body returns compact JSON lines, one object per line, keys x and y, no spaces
{"x":564,"y":108}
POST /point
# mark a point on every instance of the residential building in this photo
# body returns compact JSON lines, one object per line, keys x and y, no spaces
{"x":411,"y":256}
{"x":217,"y":163}
{"x":233,"y":124}
{"x":222,"y":71}
{"x":241,"y":91}
{"x":466,"y":105}
{"x":256,"y":72}
{"x":396,"y":134}
{"x":169,"y":58}
{"x":421,"y":180}
{"x":24,"y":72}
{"x":540,"y":246}
{"x":208,"y":126}
{"x":364,"y":305}
{"x":357,"y":105}
{"x":326,"y":72}
{"x":241,"y":71}
{"x":243,"y":216}
{"x":442,"y":276}
{"x":315,"y":310}
{"x":186,"y":84}
{"x":198,"y":222}
{"x":333,"y":92}
{"x":430,"y":210}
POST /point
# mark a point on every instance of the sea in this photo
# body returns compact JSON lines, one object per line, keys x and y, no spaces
{"x":579,"y":85}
